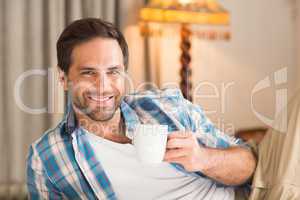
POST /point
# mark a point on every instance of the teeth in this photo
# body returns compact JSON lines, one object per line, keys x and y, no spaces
{"x":100,"y":98}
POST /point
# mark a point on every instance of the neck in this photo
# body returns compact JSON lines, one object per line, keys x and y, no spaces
{"x":112,"y":129}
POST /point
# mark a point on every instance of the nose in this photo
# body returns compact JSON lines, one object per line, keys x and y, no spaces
{"x":104,"y":83}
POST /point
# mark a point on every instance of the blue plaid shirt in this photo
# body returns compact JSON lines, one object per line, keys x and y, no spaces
{"x":62,"y":164}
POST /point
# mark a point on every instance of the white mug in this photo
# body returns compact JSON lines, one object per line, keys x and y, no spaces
{"x":150,"y":142}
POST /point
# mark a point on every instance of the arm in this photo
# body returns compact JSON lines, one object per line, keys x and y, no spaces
{"x":38,"y":184}
{"x":231,"y":166}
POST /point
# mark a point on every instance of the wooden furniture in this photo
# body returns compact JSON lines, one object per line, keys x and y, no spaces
{"x":256,"y":134}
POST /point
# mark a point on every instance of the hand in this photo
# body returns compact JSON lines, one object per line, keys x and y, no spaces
{"x":183,"y":148}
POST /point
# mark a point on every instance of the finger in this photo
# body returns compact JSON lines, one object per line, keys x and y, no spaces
{"x":179,"y":160}
{"x":179,"y":134}
{"x":179,"y":143}
{"x":175,"y":153}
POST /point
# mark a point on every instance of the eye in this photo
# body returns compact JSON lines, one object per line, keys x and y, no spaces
{"x":113,"y":72}
{"x":88,"y":72}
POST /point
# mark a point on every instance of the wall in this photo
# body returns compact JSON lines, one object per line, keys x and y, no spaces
{"x":263,"y":42}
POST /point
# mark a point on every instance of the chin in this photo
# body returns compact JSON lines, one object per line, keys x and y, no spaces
{"x":98,"y":112}
{"x":102,"y":116}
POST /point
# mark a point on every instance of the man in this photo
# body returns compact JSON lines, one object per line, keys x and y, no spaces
{"x":89,"y":154}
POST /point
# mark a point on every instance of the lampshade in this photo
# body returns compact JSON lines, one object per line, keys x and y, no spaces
{"x":185,"y":11}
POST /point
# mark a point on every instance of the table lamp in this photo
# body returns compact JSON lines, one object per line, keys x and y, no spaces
{"x":185,"y":13}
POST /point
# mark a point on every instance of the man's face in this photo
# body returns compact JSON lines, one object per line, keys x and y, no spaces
{"x":96,"y":78}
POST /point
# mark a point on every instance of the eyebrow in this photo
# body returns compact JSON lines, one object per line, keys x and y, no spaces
{"x":113,"y":67}
{"x":86,"y":68}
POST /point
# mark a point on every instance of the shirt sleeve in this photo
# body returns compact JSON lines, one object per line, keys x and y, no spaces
{"x":38,"y":183}
{"x":207,"y":133}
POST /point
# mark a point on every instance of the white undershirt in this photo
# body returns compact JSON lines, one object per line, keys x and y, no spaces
{"x":133,"y":180}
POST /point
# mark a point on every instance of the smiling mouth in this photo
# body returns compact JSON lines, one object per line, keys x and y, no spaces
{"x":100,"y":99}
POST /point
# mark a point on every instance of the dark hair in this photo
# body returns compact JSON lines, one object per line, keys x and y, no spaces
{"x":84,"y":30}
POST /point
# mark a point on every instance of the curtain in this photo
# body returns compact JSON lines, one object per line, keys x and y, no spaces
{"x":28,"y":87}
{"x":298,"y":41}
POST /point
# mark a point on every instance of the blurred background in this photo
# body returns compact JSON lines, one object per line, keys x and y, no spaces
{"x":241,"y":81}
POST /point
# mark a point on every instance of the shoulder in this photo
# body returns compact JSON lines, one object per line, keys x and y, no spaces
{"x":167,"y":106}
{"x":46,"y":145}
{"x":161,"y":97}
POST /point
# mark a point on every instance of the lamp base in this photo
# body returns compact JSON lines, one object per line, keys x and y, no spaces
{"x":185,"y":60}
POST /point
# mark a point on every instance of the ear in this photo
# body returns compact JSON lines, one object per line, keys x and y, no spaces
{"x":63,"y":79}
